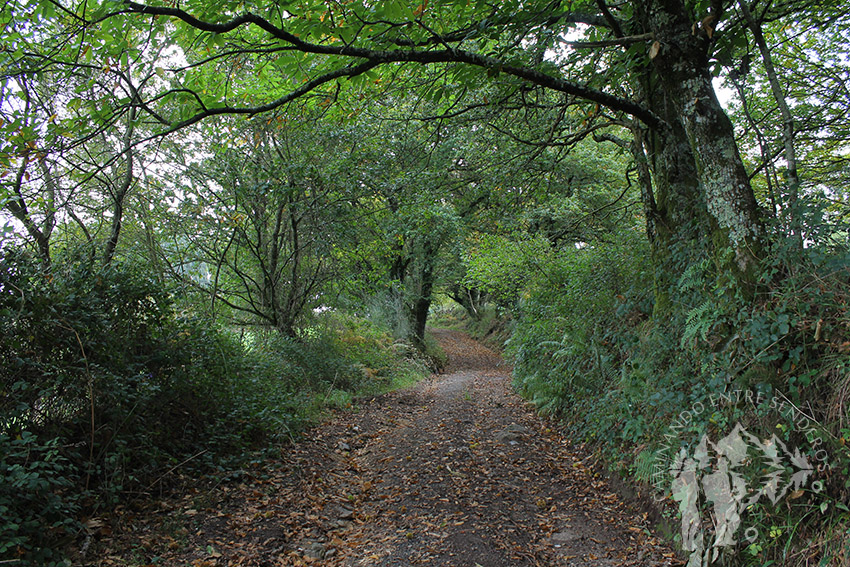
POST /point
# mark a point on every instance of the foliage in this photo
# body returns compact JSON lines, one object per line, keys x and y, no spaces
{"x":174,"y":67}
{"x":293,"y":380}
{"x":107,"y":390}
{"x":503,"y":266}
{"x":586,"y":350}
{"x":568,"y":314}
{"x":37,"y":501}
{"x":808,"y":57}
{"x":96,"y":354}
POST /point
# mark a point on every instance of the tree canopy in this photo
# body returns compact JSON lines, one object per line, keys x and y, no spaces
{"x":642,"y":68}
{"x":653,"y":194}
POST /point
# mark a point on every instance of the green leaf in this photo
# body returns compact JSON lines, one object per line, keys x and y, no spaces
{"x":47,"y":10}
{"x":347,"y":34}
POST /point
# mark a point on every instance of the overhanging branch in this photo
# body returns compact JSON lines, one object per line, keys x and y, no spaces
{"x":374,"y":57}
{"x":252,"y":110}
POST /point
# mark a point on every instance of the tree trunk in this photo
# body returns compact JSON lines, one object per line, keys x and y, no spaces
{"x":422,"y":303}
{"x":420,"y":319}
{"x":119,"y":192}
{"x":471,"y":299}
{"x":17,"y":205}
{"x":722,"y":184}
{"x":678,"y":221}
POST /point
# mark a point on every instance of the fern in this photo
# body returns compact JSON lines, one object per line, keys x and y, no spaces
{"x":699,"y":322}
{"x":694,"y":276}
{"x":646,"y":466}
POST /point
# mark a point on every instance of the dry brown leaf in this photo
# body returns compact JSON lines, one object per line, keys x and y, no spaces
{"x":654,"y":49}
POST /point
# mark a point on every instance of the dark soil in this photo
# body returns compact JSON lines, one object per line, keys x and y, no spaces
{"x":457,"y":470}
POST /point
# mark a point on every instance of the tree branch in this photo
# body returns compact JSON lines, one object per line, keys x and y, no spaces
{"x":375,"y":57}
{"x":252,"y":110}
{"x":609,"y":18}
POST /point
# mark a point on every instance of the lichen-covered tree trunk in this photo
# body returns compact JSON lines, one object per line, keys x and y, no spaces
{"x":683,"y":68}
{"x":701,"y":201}
{"x":678,"y":221}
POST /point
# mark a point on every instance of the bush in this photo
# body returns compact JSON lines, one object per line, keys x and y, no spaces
{"x":371,"y":348}
{"x":586,"y":350}
{"x":106,"y":389}
{"x":563,"y":342}
{"x":37,"y":503}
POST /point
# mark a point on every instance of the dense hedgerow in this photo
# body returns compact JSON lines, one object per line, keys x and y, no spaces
{"x":588,"y":348}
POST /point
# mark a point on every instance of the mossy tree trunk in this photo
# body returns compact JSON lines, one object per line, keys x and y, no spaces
{"x":421,"y":304}
{"x":701,"y":201}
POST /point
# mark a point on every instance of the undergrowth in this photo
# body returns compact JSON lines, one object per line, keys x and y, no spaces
{"x":646,"y":388}
{"x":109,"y":392}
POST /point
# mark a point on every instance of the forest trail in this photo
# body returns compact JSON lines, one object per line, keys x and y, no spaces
{"x":455,"y":471}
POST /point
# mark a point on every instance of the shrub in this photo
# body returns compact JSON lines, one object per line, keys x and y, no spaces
{"x":37,"y":505}
{"x":563,"y":341}
{"x":106,"y":389}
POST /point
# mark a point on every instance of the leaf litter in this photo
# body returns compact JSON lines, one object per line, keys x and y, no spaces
{"x":457,"y":470}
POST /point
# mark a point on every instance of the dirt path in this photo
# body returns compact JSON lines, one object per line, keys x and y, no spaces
{"x":456,"y":471}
